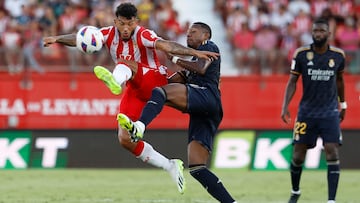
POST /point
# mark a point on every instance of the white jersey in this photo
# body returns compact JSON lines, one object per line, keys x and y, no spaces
{"x":141,"y":47}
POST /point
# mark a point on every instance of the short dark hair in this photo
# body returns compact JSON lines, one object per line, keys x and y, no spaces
{"x":204,"y":26}
{"x":127,"y":10}
{"x":321,"y":21}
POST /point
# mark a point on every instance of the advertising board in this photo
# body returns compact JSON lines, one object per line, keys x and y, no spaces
{"x":241,"y":150}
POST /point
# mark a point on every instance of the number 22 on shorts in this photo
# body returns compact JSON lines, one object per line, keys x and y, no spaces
{"x":299,"y":129}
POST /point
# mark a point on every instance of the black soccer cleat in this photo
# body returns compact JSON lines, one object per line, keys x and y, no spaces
{"x":294,"y":198}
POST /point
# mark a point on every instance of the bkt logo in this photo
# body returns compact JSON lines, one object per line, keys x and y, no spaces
{"x":16,"y":150}
{"x":268,"y":151}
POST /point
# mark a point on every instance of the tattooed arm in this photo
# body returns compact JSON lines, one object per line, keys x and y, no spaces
{"x":174,"y":48}
{"x":68,"y":40}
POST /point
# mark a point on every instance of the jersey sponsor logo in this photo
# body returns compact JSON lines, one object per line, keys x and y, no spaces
{"x":320,"y":75}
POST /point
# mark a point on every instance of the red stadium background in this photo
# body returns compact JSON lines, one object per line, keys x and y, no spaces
{"x":80,"y":101}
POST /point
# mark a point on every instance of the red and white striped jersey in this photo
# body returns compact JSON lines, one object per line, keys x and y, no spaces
{"x":141,"y":47}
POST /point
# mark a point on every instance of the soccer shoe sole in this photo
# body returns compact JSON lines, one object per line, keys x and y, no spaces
{"x":105,"y":75}
{"x":179,"y":179}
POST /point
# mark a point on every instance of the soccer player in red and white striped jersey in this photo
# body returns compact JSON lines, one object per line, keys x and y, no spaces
{"x":130,"y":46}
{"x":126,"y":40}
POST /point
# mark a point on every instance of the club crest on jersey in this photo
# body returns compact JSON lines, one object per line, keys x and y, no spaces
{"x":331,"y":63}
{"x":310,"y":57}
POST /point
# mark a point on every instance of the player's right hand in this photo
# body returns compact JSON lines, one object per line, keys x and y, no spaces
{"x":285,"y":116}
{"x":342,"y":114}
{"x":47,"y":41}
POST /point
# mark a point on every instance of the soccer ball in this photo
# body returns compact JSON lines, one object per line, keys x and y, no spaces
{"x":89,"y":39}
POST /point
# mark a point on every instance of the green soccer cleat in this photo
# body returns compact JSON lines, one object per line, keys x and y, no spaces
{"x":135,"y":129}
{"x":106,"y":76}
{"x":177,"y":174}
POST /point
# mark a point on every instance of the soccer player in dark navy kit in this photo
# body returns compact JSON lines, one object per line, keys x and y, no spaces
{"x":194,"y":90}
{"x":322,"y":106}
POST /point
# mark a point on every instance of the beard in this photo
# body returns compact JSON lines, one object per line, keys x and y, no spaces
{"x":319,"y":42}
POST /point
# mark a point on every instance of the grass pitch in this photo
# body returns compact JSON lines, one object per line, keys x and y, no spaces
{"x":156,"y":186}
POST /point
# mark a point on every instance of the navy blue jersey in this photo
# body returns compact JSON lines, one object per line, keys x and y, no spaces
{"x":212,"y":75}
{"x":204,"y":102}
{"x":318,"y":71}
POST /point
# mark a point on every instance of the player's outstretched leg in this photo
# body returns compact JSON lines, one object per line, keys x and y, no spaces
{"x":294,"y":197}
{"x":177,"y":173}
{"x":106,"y":76}
{"x":135,"y":129}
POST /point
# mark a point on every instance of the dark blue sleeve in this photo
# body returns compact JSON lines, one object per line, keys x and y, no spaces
{"x":209,"y":46}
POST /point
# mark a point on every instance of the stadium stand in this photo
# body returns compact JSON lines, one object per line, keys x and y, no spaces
{"x":290,"y":22}
{"x":203,"y":10}
{"x":241,"y":29}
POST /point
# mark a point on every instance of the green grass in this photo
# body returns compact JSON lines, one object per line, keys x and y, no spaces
{"x":156,"y":186}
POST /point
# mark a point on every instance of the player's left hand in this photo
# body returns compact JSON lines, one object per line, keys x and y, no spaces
{"x":342,"y":114}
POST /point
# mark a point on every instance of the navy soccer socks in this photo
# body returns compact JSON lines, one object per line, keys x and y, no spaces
{"x":154,"y":106}
{"x":295,"y":172}
{"x":211,"y":183}
{"x":333,"y":174}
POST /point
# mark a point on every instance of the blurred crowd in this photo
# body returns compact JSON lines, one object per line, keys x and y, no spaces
{"x":264,"y":33}
{"x":23,"y":23}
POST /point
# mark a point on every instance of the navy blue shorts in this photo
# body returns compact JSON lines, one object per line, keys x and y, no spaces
{"x":307,"y":130}
{"x":205,"y":110}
